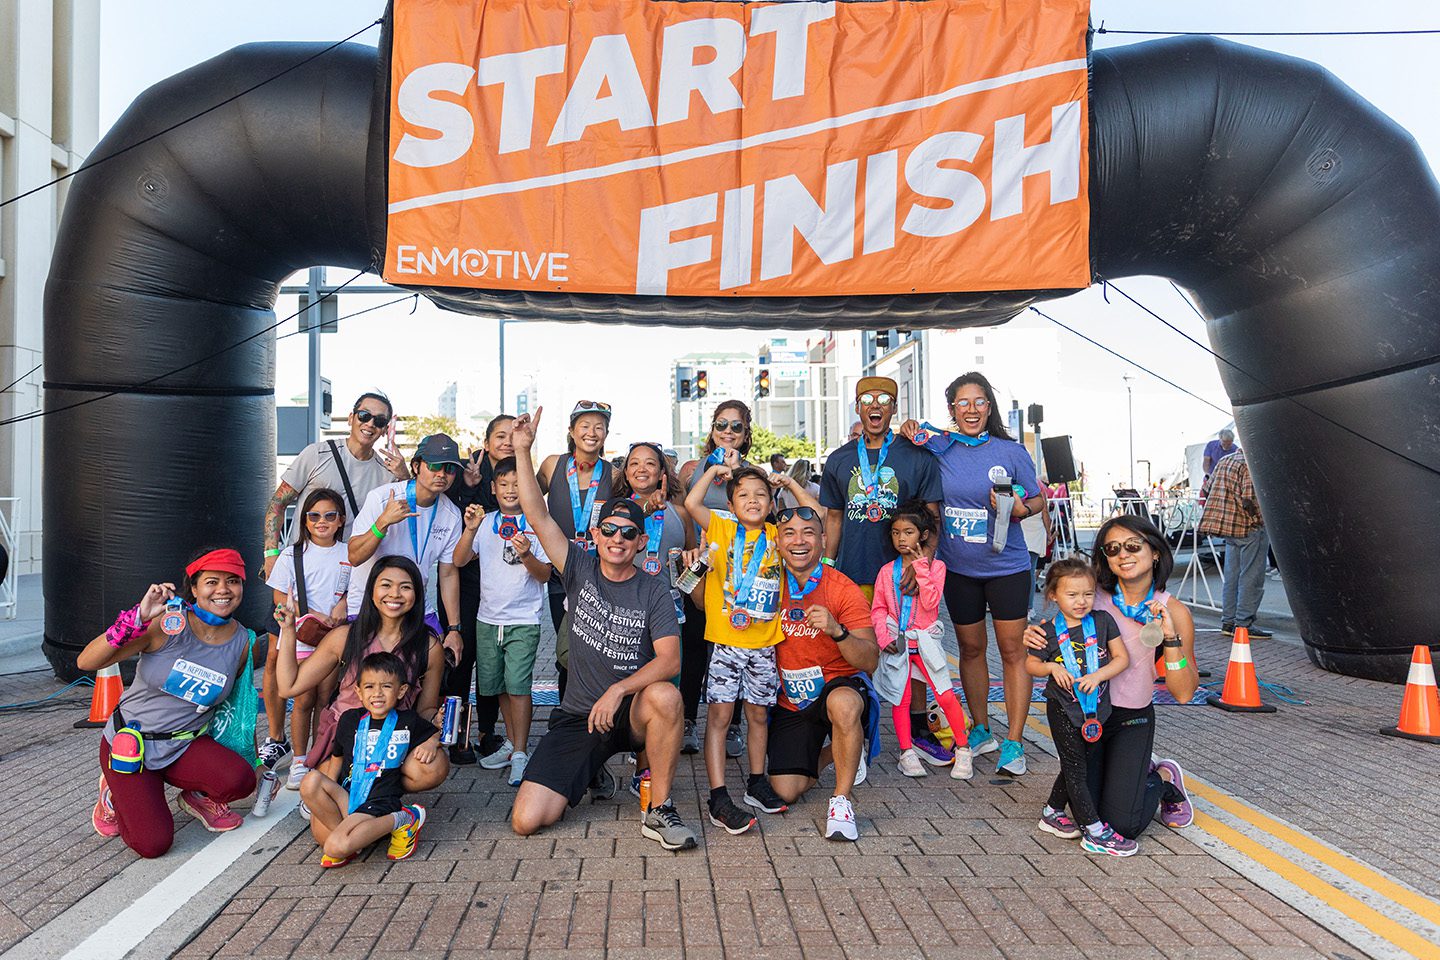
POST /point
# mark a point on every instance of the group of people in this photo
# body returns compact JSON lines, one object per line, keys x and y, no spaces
{"x":793,"y":610}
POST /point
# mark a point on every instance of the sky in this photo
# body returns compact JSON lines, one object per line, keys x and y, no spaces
{"x":1397,"y":74}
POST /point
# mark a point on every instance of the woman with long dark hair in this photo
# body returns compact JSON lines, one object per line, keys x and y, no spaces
{"x":987,"y":565}
{"x":1132,"y":564}
{"x":392,"y":619}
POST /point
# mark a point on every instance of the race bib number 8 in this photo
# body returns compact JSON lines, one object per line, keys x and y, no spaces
{"x":968,"y":524}
{"x":395,"y":750}
{"x":803,"y":686}
{"x":195,"y":684}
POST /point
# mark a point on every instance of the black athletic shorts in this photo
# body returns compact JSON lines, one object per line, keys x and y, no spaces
{"x":1007,"y":597}
{"x":569,"y":755}
{"x":798,"y":736}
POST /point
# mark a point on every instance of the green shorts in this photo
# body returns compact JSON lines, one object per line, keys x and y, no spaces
{"x":505,"y":658}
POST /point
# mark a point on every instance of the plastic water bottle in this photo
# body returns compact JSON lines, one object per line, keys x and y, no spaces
{"x":269,"y":786}
{"x":696,"y":570}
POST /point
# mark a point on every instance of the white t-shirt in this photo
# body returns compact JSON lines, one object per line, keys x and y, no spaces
{"x":509,"y":596}
{"x":327,"y":575}
{"x":442,"y":520}
{"x":315,"y":468}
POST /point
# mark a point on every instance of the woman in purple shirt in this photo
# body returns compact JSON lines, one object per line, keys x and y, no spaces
{"x":975,"y":458}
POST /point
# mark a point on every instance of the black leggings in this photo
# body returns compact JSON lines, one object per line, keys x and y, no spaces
{"x":694,"y":658}
{"x":1125,"y":787}
{"x":557,"y":616}
{"x":1071,"y":786}
{"x":457,"y":678}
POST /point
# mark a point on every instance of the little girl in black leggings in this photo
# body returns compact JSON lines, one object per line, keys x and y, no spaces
{"x":1083,"y":651}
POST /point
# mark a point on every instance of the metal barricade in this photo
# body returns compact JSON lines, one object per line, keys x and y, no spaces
{"x":9,"y":587}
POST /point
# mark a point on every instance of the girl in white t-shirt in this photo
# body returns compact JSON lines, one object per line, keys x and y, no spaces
{"x":325,"y":579}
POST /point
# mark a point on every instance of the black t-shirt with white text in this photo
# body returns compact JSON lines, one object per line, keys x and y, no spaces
{"x":410,"y":731}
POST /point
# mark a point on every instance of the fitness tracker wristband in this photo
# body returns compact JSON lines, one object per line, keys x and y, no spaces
{"x":1173,"y":642}
{"x":844,"y":634}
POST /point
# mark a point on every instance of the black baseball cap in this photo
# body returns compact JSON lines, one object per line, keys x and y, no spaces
{"x":622,"y":507}
{"x":439,"y":448}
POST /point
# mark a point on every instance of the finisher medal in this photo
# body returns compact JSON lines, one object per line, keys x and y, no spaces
{"x":652,"y":565}
{"x":739,"y":619}
{"x":173,"y":622}
{"x":874,"y":513}
{"x":1091,"y":730}
{"x":795,"y":615}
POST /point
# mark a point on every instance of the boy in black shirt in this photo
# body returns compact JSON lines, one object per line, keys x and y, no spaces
{"x":361,"y":792}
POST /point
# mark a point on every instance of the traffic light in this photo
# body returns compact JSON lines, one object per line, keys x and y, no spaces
{"x":685,"y":388}
{"x":763,"y":383}
{"x":882,"y":340}
{"x":702,"y":384}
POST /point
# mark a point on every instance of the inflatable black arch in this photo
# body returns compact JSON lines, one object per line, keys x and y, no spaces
{"x":1303,"y":220}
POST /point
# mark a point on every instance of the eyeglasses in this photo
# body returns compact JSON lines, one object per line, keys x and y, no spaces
{"x":450,"y":468}
{"x":597,"y":405}
{"x":382,"y":420}
{"x":734,"y":426}
{"x":884,"y":399}
{"x":979,"y":404}
{"x":610,"y":529}
{"x":1113,"y":548}
{"x":804,"y":513}
{"x":329,"y":516}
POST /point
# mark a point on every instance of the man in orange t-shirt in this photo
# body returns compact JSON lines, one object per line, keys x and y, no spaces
{"x":828,"y":641}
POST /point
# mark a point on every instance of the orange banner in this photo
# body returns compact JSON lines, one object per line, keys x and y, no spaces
{"x":703,"y":149}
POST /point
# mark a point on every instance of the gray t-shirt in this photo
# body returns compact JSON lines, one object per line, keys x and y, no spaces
{"x":613,"y":627}
{"x":177,"y":688}
{"x":315,"y":468}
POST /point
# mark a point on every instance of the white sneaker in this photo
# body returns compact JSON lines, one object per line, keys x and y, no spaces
{"x":304,"y":812}
{"x":518,"y":759}
{"x":297,"y":773}
{"x":840,"y":821}
{"x":862,"y":771}
{"x":910,"y":764}
{"x":500,"y":758}
{"x":963,"y":768}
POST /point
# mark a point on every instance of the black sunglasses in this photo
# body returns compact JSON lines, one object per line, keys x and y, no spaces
{"x":610,"y":529}
{"x":734,"y":426}
{"x":804,"y":513}
{"x":1112,"y":549}
{"x":382,"y":420}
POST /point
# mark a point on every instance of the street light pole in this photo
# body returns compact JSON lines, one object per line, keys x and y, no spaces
{"x":1130,"y":404}
{"x":502,"y":365}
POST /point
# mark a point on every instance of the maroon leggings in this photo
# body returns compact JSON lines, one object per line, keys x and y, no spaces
{"x":146,"y":824}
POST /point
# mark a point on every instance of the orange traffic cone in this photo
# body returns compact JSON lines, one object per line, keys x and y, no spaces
{"x":1420,"y":710}
{"x":108,"y":687}
{"x":1242,"y":690}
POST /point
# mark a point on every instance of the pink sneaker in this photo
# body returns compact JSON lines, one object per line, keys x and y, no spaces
{"x":216,"y":816}
{"x":103,"y":816}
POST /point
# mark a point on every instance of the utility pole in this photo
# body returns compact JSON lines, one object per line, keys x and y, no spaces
{"x":311,"y":318}
{"x":1130,"y":404}
{"x":501,"y":408}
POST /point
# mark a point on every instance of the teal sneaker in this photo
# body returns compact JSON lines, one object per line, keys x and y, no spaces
{"x":982,"y":741}
{"x":1012,"y":758}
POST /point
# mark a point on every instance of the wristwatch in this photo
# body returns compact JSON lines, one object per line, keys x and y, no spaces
{"x":1173,"y":642}
{"x":844,"y":634}
{"x":453,"y":626}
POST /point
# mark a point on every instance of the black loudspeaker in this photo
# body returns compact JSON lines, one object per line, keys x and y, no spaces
{"x":1059,"y":461}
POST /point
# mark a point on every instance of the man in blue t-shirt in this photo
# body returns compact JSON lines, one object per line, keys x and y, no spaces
{"x":1216,"y":450}
{"x":860,"y":497}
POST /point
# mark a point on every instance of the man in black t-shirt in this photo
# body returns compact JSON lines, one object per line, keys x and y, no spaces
{"x":624,"y":650}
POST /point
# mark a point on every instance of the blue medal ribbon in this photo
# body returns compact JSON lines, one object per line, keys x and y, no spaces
{"x":1089,"y":702}
{"x":742,"y":577}
{"x":516,"y":520}
{"x":205,"y":616}
{"x":796,"y":612}
{"x":870,"y":476}
{"x":937,"y":441}
{"x":415,"y":542}
{"x":906,"y":602}
{"x":1139,"y":612}
{"x":581,"y":512}
{"x":366,"y":764}
{"x":654,"y":531}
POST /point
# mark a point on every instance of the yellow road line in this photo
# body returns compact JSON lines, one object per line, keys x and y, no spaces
{"x":1419,"y":905}
{"x":1367,"y":916}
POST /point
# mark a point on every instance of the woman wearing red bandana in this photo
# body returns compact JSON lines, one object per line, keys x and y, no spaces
{"x":191,"y":652}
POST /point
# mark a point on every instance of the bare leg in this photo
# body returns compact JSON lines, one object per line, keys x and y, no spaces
{"x":975,"y":673}
{"x":757,"y":735}
{"x":657,"y":719}
{"x":327,"y":801}
{"x":355,"y":833}
{"x":418,"y":777}
{"x":717,"y":721}
{"x":791,"y":786}
{"x":1008,"y":634}
{"x":300,"y":714}
{"x":536,"y":807}
{"x":517,"y":712}
{"x":270,"y":689}
{"x":846,"y":710}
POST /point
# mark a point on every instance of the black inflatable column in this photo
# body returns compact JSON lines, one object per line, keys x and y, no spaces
{"x":1306,"y":223}
{"x":166,"y":255}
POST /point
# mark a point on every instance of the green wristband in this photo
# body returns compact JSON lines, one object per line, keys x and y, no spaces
{"x":376,"y":530}
{"x":1180,"y":664}
{"x":828,"y":561}
{"x":274,"y":553}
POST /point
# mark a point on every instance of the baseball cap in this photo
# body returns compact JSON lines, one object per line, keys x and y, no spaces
{"x":876,"y":385}
{"x":439,"y":448}
{"x":583,"y":407}
{"x":622,"y":507}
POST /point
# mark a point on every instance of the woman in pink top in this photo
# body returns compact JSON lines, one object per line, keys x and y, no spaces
{"x":1132,"y":564}
{"x":908,"y":631}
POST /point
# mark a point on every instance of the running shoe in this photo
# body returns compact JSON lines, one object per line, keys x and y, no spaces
{"x":862,"y":772}
{"x":1175,"y":814}
{"x":635,"y":784}
{"x":663,"y":825}
{"x":462,"y":756}
{"x":103,"y":816}
{"x":297,"y":773}
{"x":603,"y":785}
{"x":402,"y":841}
{"x":500,"y":758}
{"x":933,"y":752}
{"x":982,"y":741}
{"x":212,"y":814}
{"x":304,"y":812}
{"x":1228,"y":629}
{"x":275,"y":753}
{"x":1059,"y":825}
{"x":330,"y":863}
{"x":840,"y":821}
{"x":963,"y":768}
{"x":690,"y":742}
{"x":1109,"y":843}
{"x":518,"y":760}
{"x":488,"y":744}
{"x":909,"y":764}
{"x":763,"y":797}
{"x":734,"y":742}
{"x":734,"y":821}
{"x":1012,"y":758}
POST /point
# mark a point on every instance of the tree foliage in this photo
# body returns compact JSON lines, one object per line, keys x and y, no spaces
{"x":416,"y":429}
{"x":765,"y":444}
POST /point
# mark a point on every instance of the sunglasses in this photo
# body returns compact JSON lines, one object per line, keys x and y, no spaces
{"x":884,"y":399}
{"x":592,"y":405}
{"x":804,"y":513}
{"x":648,"y":445}
{"x":734,"y":426}
{"x":449,"y":468}
{"x":1113,"y":548}
{"x":382,"y":420}
{"x":329,"y":516}
{"x":610,"y":529}
{"x":979,"y":404}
